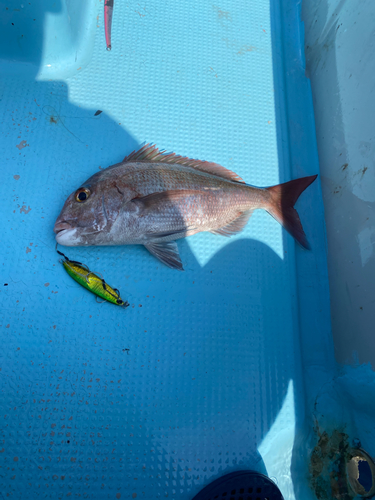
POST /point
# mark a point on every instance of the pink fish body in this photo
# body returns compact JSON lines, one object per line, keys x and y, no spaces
{"x":153,"y":199}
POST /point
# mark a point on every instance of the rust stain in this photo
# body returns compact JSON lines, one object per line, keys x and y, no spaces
{"x":246,"y":48}
{"x":46,"y":284}
{"x":141,"y":14}
{"x":214,"y":72}
{"x":134,"y":495}
{"x":222,"y":14}
{"x":328,"y":465}
{"x":24,"y":209}
{"x":21,"y":145}
{"x":16,"y":177}
{"x":52,"y":119}
{"x":15,"y":459}
{"x":118,"y":495}
{"x":79,"y":68}
{"x":28,"y":250}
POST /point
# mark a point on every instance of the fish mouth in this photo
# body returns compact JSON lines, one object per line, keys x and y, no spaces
{"x":66,"y":234}
{"x":61,"y":226}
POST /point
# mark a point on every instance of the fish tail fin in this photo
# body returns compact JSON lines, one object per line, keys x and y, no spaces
{"x":281,"y":203}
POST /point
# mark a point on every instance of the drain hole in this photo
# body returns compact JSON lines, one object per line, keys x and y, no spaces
{"x":361,"y":473}
{"x":250,"y":490}
{"x":364,"y":474}
{"x":259,"y":490}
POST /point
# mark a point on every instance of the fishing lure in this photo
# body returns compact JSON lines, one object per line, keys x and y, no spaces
{"x":108,"y":12}
{"x":96,"y":284}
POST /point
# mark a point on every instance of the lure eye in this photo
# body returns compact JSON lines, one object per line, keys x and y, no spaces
{"x":82,"y":194}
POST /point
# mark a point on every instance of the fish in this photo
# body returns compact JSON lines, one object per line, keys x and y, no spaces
{"x":154,"y":198}
{"x":82,"y":275}
{"x":108,"y":12}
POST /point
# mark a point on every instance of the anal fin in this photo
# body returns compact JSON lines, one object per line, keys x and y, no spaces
{"x":166,"y":252}
{"x":236,"y":226}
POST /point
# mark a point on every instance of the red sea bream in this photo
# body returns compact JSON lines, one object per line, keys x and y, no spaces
{"x":153,"y":198}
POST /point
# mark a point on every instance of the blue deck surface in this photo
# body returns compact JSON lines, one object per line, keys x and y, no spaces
{"x":221,"y":357}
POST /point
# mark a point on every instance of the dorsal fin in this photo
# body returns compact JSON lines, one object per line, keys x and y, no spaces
{"x":150,"y":153}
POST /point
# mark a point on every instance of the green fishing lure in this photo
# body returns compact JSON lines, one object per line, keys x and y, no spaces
{"x":82,"y":275}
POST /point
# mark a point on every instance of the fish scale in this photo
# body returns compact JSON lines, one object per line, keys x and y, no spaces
{"x":159,"y":177}
{"x":153,"y":198}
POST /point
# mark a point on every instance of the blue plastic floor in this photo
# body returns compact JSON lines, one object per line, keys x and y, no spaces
{"x":204,"y":373}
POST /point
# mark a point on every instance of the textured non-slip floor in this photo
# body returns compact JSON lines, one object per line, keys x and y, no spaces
{"x":156,"y":400}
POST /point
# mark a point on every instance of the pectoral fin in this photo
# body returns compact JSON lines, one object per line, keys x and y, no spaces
{"x":160,"y":200}
{"x":167,"y":252}
{"x":178,"y":233}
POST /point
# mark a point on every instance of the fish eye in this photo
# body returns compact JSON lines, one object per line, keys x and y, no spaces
{"x":82,"y":194}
